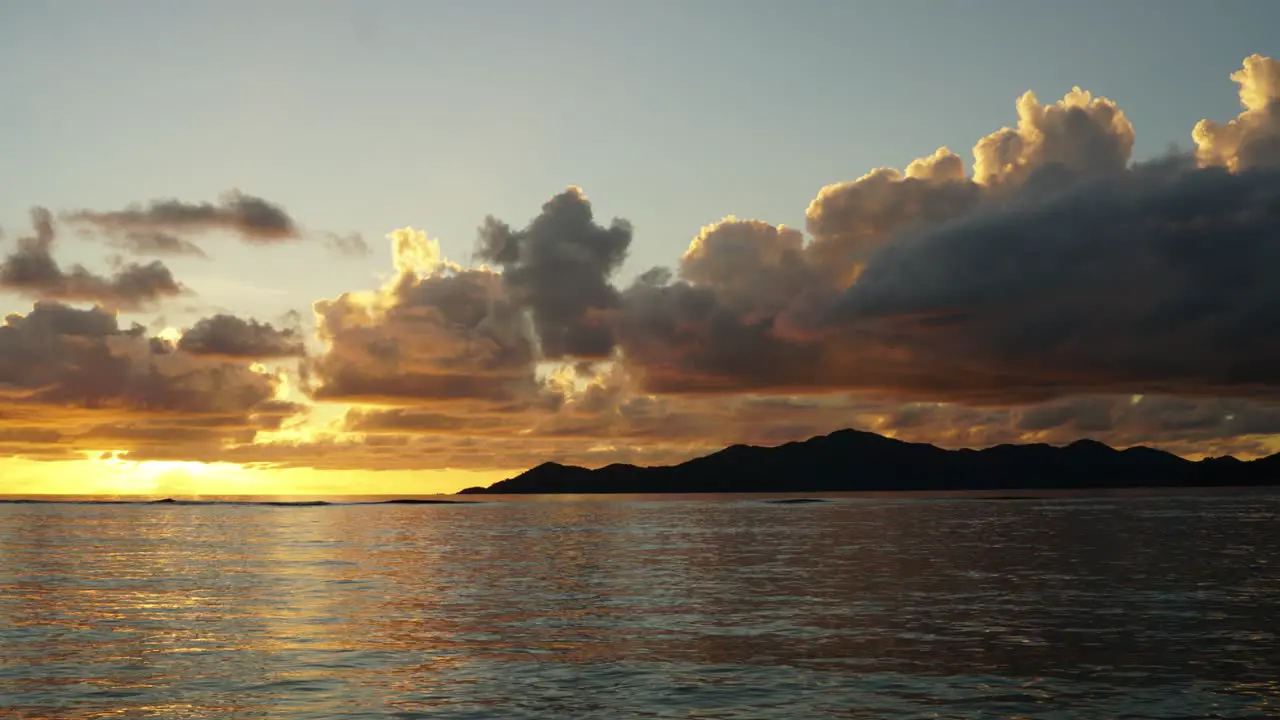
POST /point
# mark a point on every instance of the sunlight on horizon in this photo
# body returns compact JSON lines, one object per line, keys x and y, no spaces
{"x":115,"y":476}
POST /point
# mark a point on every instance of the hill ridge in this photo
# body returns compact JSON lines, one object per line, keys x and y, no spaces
{"x":858,"y":460}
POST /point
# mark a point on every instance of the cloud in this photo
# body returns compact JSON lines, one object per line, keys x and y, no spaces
{"x":1079,"y":133}
{"x":229,"y":336}
{"x":433,"y":332}
{"x":559,"y":267}
{"x":1028,"y":301}
{"x":167,"y":227}
{"x":350,"y":244}
{"x":1252,"y":139}
{"x":253,"y":219}
{"x":1056,"y":289}
{"x":850,"y":220}
{"x":656,"y":429}
{"x":1153,"y":280}
{"x":413,"y":253}
{"x":64,"y":356}
{"x":754,"y":267}
{"x":1058,"y":269}
{"x":156,"y":243}
{"x":683,"y":337}
{"x":75,"y":378}
{"x":31,"y":270}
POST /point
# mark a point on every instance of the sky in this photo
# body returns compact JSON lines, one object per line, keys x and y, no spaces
{"x":341,"y":247}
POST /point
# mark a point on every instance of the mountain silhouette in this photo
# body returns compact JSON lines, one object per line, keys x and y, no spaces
{"x":852,"y":460}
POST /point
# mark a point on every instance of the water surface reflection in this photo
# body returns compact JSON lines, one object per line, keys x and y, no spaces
{"x":1142,"y":608}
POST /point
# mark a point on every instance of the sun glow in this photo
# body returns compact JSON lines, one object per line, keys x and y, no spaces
{"x":177,"y":477}
{"x":107,"y":475}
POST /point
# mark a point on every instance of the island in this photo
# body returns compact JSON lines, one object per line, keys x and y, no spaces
{"x":853,"y":460}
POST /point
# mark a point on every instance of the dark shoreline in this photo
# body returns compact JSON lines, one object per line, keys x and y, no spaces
{"x":765,"y":497}
{"x":856,"y":461}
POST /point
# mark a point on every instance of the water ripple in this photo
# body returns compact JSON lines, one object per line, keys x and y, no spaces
{"x":1123,"y":608}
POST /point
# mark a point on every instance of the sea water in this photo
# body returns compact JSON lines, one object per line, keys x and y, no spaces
{"x":589,"y":607}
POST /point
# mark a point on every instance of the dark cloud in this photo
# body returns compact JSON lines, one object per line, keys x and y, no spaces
{"x":672,"y":429}
{"x":438,"y":332}
{"x":117,"y":435}
{"x":1193,"y":425}
{"x":233,"y":337}
{"x":31,"y":270}
{"x":681,"y":337}
{"x":434,"y":332}
{"x":64,"y":357}
{"x":351,"y":244}
{"x":559,"y":267}
{"x":253,"y":219}
{"x":75,"y":379}
{"x":1153,"y":280}
{"x":850,"y":220}
{"x":1057,"y":290}
{"x":166,"y":227}
{"x":156,"y":243}
{"x":1058,"y":269}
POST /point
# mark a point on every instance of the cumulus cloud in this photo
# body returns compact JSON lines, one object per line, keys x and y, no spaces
{"x":1029,"y":300}
{"x":755,"y":308}
{"x":1252,"y":139}
{"x":755,"y":268}
{"x":81,"y":358}
{"x":31,"y":270}
{"x":1051,"y":290}
{"x":229,"y":336}
{"x":559,"y":267}
{"x":1150,"y":281}
{"x":699,"y":335}
{"x":1058,"y":268}
{"x":433,"y":332}
{"x":77,"y":378}
{"x":1080,"y":133}
{"x":850,"y":220}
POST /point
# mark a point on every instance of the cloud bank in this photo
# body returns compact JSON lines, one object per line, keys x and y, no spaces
{"x":74,"y":379}
{"x":1057,"y":268}
{"x":1048,"y":289}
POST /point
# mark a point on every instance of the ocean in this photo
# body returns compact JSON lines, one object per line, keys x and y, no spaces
{"x":1125,"y":606}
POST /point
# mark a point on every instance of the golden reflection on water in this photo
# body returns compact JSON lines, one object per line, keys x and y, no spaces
{"x":961,"y":608}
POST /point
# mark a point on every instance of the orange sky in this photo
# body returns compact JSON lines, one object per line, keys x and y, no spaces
{"x":161,"y":478}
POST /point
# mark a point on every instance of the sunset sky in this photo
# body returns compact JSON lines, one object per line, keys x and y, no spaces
{"x":319,"y":247}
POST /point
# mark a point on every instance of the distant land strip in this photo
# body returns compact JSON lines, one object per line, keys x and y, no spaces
{"x":853,"y":461}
